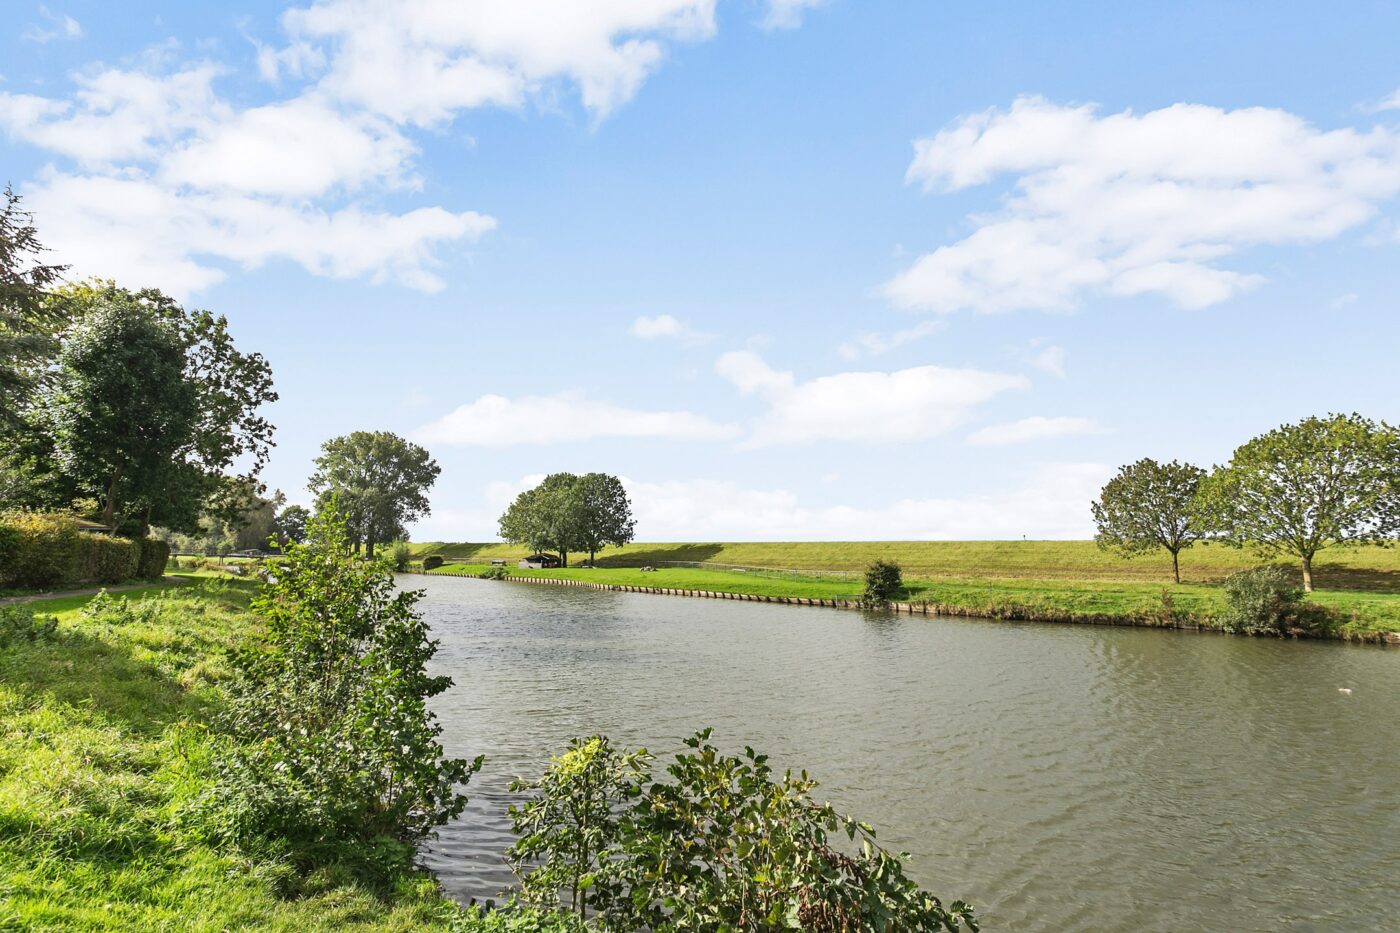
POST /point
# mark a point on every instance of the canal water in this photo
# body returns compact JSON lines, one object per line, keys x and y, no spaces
{"x":1057,"y":777}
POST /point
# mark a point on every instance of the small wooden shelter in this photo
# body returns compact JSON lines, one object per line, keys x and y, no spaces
{"x":539,"y":562}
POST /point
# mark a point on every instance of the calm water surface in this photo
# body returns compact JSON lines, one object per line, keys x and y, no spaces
{"x":1057,"y":777}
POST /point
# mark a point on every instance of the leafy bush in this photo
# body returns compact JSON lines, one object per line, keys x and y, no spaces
{"x":432,"y":562}
{"x":398,"y":555}
{"x":21,"y":623}
{"x":515,"y":919}
{"x":338,"y":747}
{"x":119,"y":610}
{"x":154,"y":556}
{"x":43,"y":550}
{"x":884,"y":582}
{"x":103,"y":559}
{"x":722,"y":845}
{"x":1265,"y":601}
{"x":494,"y":573}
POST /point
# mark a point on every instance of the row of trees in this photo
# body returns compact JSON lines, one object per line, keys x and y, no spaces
{"x":1296,"y":490}
{"x":567,"y":512}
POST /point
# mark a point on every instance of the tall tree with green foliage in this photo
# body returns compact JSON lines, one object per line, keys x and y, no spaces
{"x":149,"y":404}
{"x":603,"y":512}
{"x":290,"y":525}
{"x":378,"y":481}
{"x":28,"y":319}
{"x":1304,"y":487}
{"x":1151,"y":505}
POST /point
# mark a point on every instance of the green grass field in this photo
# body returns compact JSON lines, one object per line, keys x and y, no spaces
{"x":1372,"y":568}
{"x":106,"y":740}
{"x":1051,"y":580}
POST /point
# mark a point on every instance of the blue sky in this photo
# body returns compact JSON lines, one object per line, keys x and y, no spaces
{"x":820,"y":270}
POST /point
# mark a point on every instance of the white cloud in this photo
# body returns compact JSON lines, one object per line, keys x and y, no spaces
{"x":1036,"y":428}
{"x":298,"y":148}
{"x":663,"y":325}
{"x":1389,"y":102}
{"x":1048,"y":359}
{"x":873,"y":344}
{"x":907,"y":404}
{"x":1052,"y":502}
{"x":421,"y":61}
{"x":1343,"y":300}
{"x":787,"y":14}
{"x":60,"y":26}
{"x":496,"y":421}
{"x":1130,"y":204}
{"x":147,"y":234}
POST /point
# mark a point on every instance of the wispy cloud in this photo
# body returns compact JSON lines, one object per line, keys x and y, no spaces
{"x":874,"y":344}
{"x":497,"y":421}
{"x":1036,"y":428}
{"x":787,"y":14}
{"x":1132,"y":204}
{"x":55,"y":26}
{"x":903,"y":405}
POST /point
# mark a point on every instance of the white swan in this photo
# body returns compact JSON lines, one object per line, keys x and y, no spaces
{"x":1345,"y":691}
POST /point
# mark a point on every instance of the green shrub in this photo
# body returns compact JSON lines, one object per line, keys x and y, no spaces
{"x":399,"y":555}
{"x":43,"y":550}
{"x":1265,"y":601}
{"x":725,"y":844}
{"x":516,"y":919}
{"x":494,"y":573}
{"x":120,"y":610}
{"x":21,"y":623}
{"x":103,"y":559}
{"x":432,"y":562}
{"x":153,"y":559}
{"x":884,"y":582}
{"x":338,"y":748}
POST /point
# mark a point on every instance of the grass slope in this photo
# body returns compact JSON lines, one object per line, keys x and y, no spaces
{"x":1375,"y":569}
{"x":106,"y":740}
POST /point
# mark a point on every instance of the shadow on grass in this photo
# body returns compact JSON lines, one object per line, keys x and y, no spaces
{"x":660,"y":553}
{"x":1353,"y":578}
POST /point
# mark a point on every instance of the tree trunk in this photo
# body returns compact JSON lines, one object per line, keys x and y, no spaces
{"x":563,"y":558}
{"x":109,"y":510}
{"x":1176,"y":566}
{"x":592,"y":556}
{"x":369,"y":550}
{"x":1307,"y":573}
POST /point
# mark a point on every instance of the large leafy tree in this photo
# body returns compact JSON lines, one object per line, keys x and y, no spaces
{"x":546,"y":518}
{"x":28,"y":319}
{"x":1311,"y":485}
{"x":150,"y":404}
{"x":377,"y":480}
{"x":290,"y":524}
{"x":1150,"y":505}
{"x":603,"y":512}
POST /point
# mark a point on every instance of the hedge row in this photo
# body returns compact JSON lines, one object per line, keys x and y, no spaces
{"x":39,"y":551}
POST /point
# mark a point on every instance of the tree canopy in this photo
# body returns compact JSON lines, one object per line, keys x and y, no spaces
{"x":1150,"y":505}
{"x":149,"y":404}
{"x":567,"y":512}
{"x":378,"y":481}
{"x":28,"y":320}
{"x":1307,"y":486}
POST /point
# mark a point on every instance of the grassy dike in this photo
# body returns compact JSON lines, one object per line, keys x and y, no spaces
{"x":1050,"y":581}
{"x":107,"y":741}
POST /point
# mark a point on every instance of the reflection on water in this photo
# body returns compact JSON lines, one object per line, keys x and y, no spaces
{"x":1057,"y":777}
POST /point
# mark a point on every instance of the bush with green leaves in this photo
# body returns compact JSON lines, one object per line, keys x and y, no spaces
{"x":154,"y":556}
{"x":337,"y":747}
{"x":494,"y":573}
{"x":884,"y":583}
{"x":43,"y":551}
{"x":105,"y":559}
{"x":1266,"y":601}
{"x":121,"y":610}
{"x":432,"y":562}
{"x":20,"y":623}
{"x":398,"y":555}
{"x":513,"y":919}
{"x":724,"y":844}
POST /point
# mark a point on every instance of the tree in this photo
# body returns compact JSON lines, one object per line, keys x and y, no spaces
{"x":28,"y":320}
{"x":149,"y":404}
{"x":1311,"y":485}
{"x":290,"y":525}
{"x":378,"y":480}
{"x":603,"y":512}
{"x":1150,"y":505}
{"x":567,"y":512}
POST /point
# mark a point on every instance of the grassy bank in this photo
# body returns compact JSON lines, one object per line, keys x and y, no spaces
{"x":1361,"y":614}
{"x":107,"y":741}
{"x":1373,"y":569}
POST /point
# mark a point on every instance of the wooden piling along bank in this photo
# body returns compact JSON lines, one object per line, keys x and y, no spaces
{"x":1000,"y":614}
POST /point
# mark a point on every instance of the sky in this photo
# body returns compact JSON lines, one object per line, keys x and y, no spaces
{"x":793,"y":269}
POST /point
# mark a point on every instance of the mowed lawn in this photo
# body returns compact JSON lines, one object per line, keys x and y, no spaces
{"x":1065,"y":580}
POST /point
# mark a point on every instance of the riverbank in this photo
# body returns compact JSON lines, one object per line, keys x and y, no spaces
{"x":1359,"y":615}
{"x":109,"y":736}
